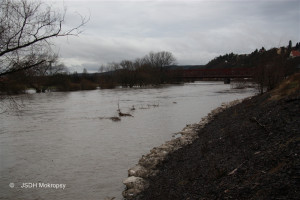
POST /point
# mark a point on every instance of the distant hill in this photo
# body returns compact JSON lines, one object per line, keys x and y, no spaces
{"x":175,"y":67}
{"x":283,"y":56}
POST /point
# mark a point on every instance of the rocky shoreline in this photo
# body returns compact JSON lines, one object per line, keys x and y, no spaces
{"x":147,"y":167}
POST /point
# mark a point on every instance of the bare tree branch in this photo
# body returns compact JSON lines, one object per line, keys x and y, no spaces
{"x":26,"y":28}
{"x":25,"y":67}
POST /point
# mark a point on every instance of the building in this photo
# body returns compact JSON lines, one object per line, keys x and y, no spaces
{"x":294,"y":54}
{"x":281,"y":50}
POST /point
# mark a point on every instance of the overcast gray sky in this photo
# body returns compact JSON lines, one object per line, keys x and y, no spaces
{"x":194,"y":31}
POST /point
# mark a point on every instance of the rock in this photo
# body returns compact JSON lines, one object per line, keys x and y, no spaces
{"x":184,"y":141}
{"x":139,"y":171}
{"x":109,"y":198}
{"x":151,"y":161}
{"x":137,"y":183}
{"x":131,"y":193}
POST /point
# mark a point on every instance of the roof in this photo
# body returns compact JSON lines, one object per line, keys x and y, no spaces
{"x":294,"y":53}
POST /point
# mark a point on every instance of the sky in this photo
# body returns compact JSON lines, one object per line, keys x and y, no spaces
{"x":194,"y":31}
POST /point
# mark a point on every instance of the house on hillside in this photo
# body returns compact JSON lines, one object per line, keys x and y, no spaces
{"x":281,"y":50}
{"x":262,"y":50}
{"x":294,"y":54}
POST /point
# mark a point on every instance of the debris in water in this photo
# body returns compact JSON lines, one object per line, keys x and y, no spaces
{"x":132,"y":108}
{"x":124,"y":114}
{"x":115,"y":119}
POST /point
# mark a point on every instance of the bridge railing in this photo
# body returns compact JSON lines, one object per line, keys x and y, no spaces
{"x":218,"y":73}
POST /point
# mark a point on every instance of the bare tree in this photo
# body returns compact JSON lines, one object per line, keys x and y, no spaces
{"x":26,"y":28}
{"x":260,"y":78}
{"x":160,"y":59}
{"x":84,"y":71}
{"x":113,"y":66}
{"x":102,"y":69}
{"x":51,"y":67}
{"x":127,"y":64}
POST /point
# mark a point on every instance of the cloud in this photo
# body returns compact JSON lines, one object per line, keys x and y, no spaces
{"x":194,"y":31}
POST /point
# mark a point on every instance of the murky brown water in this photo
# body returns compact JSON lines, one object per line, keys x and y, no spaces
{"x":65,"y":138}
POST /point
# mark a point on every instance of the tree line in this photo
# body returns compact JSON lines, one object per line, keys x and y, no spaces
{"x":27,"y":60}
{"x":54,"y":76}
{"x":270,"y":67}
{"x":148,"y":70}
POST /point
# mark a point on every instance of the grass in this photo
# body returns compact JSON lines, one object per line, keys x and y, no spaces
{"x":287,"y":87}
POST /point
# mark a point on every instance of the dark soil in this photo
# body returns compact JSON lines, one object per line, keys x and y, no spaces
{"x":249,"y":151}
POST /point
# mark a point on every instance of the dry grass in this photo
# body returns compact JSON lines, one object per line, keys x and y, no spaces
{"x":287,"y":87}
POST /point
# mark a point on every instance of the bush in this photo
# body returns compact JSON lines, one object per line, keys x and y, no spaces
{"x":87,"y":85}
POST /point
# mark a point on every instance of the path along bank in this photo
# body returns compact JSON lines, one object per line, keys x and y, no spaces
{"x":242,"y":150}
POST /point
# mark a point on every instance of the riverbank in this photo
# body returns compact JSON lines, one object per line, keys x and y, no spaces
{"x":247,"y":151}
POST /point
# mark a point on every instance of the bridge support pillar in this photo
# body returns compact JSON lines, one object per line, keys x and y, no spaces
{"x":226,"y":80}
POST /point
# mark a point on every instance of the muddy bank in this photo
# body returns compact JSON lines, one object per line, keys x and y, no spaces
{"x":139,"y":175}
{"x":247,"y":151}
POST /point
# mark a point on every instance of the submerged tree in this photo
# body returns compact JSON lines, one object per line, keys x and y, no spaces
{"x":160,"y":60}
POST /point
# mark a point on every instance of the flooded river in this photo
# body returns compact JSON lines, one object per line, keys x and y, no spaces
{"x":68,"y":138}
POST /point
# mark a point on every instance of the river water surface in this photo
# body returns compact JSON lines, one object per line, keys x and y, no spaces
{"x":67,"y":138}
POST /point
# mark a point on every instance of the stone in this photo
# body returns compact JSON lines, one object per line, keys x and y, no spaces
{"x":139,"y":171}
{"x":131,"y":193}
{"x":134,"y":182}
{"x":150,"y":161}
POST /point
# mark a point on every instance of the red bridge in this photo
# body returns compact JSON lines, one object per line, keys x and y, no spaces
{"x":218,"y":73}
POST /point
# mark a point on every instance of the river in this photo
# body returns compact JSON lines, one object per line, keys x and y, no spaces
{"x":68,"y":138}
